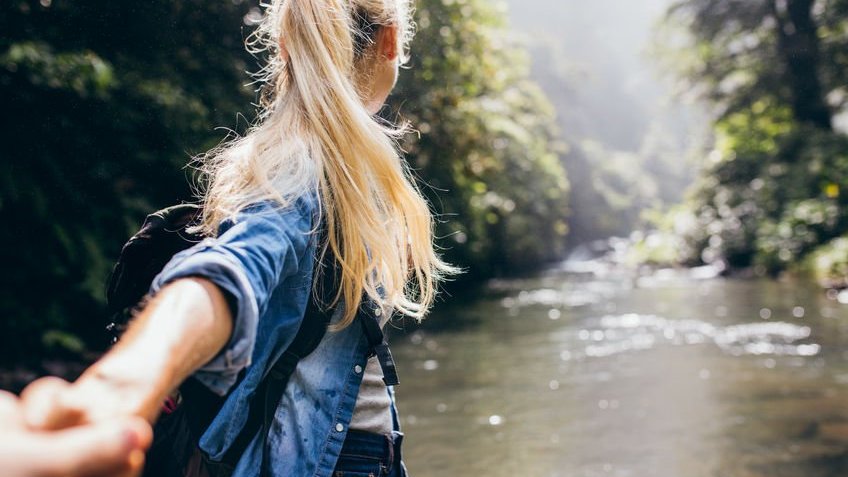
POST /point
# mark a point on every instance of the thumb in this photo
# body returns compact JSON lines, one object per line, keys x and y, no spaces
{"x":43,"y":407}
{"x":101,"y":449}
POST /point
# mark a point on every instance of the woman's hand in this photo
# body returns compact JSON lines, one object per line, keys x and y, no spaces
{"x":97,"y":396}
{"x":112,"y":448}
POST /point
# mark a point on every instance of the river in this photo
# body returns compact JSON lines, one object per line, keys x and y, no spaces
{"x":608,"y":373}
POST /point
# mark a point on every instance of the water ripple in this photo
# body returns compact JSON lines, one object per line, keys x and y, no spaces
{"x":617,"y":334}
{"x":551,"y":297}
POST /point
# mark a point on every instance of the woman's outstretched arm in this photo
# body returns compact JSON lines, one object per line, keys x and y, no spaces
{"x":183,"y":327}
{"x":190,"y":325}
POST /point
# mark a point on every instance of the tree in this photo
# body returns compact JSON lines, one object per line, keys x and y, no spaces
{"x":487,"y":150}
{"x":745,"y":51}
{"x":770,"y":191}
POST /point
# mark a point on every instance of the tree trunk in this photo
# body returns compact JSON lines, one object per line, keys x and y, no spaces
{"x":798,"y":46}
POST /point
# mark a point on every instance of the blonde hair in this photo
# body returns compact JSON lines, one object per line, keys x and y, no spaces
{"x":314,"y":131}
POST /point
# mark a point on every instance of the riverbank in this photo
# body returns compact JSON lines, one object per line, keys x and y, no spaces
{"x":655,"y":251}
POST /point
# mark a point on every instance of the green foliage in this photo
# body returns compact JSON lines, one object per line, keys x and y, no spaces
{"x":110,"y":100}
{"x":487,"y":147}
{"x":742,"y":51}
{"x":829,"y":263}
{"x":657,"y":248}
{"x":769,"y":202}
{"x":105,"y":104}
{"x":771,"y":190}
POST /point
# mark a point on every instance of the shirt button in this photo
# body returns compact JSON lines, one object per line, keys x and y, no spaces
{"x":357,"y":369}
{"x":378,"y":312}
{"x":339,"y":428}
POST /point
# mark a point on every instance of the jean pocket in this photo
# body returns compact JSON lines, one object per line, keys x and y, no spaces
{"x":350,"y":465}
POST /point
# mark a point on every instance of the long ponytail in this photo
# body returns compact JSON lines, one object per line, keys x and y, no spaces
{"x":315,"y":131}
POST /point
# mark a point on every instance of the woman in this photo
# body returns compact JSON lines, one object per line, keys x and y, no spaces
{"x":224,"y":309}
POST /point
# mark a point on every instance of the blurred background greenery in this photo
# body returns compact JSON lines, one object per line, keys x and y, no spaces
{"x":538,"y":129}
{"x":770,"y":193}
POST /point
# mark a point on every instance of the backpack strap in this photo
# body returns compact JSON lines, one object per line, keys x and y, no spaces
{"x":312,"y":329}
{"x":377,"y":345}
{"x":316,"y":320}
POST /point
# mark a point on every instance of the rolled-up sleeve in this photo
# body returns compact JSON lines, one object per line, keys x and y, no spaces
{"x":251,"y":254}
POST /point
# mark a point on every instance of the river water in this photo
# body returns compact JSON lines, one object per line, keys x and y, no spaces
{"x":612,"y":374}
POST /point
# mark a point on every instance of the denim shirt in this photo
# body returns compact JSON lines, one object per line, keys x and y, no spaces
{"x":264,"y":258}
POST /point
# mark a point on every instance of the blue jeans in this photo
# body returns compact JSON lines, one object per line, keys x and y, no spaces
{"x":370,"y":455}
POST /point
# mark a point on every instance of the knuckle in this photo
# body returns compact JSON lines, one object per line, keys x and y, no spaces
{"x":44,"y":387}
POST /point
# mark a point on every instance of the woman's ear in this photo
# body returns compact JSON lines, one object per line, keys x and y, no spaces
{"x":387,"y":42}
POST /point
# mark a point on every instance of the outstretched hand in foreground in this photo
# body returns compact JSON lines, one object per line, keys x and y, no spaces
{"x":99,"y":424}
{"x":113,"y":448}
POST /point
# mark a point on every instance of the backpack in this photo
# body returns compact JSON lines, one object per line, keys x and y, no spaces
{"x":174,"y":452}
